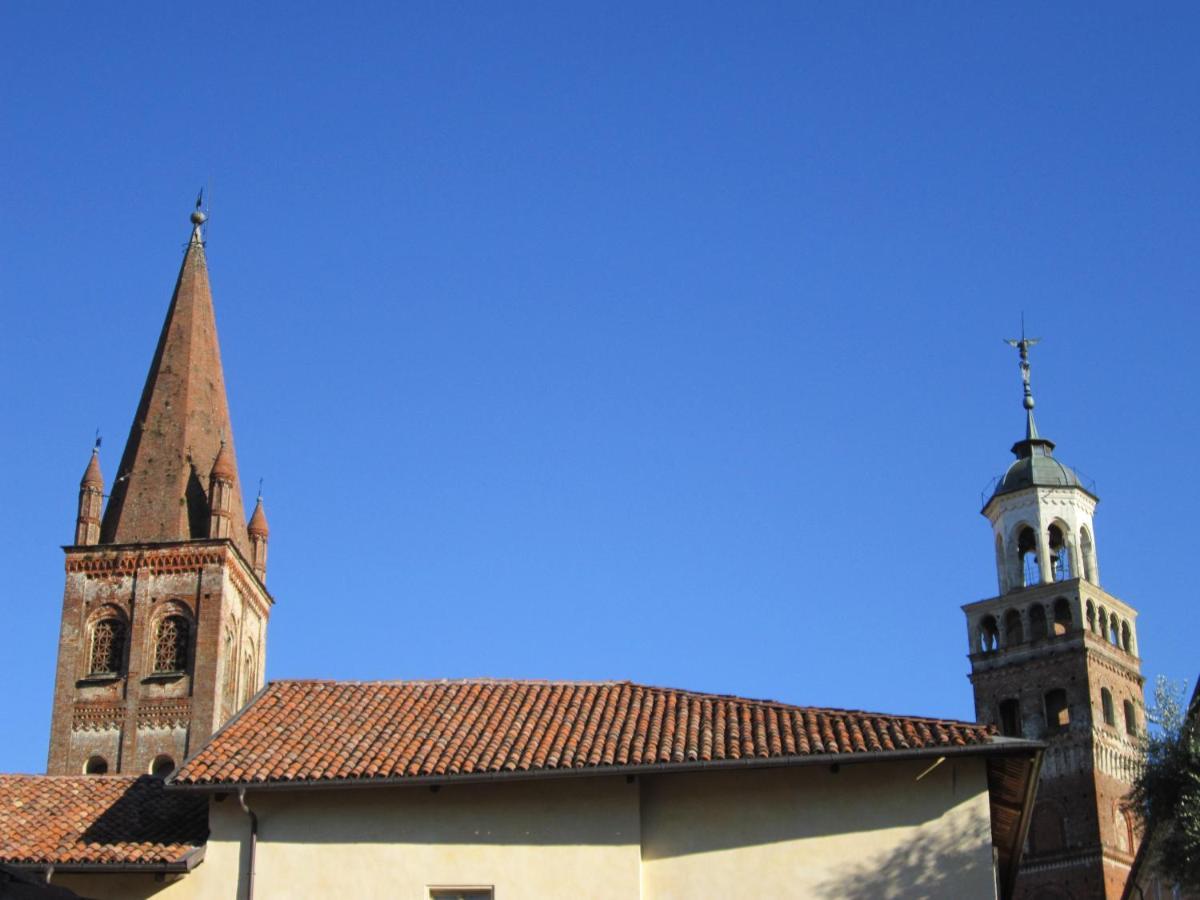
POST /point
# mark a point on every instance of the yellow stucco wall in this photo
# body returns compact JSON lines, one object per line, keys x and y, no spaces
{"x":869,"y":830}
{"x":866,"y":831}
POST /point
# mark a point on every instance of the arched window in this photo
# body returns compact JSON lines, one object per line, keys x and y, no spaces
{"x":1102,"y":623}
{"x":171,"y":645}
{"x":229,"y":661}
{"x":1014,"y":631}
{"x":989,"y":634}
{"x":1088,"y":554}
{"x":162,"y":766}
{"x":1058,"y":713}
{"x":1106,"y":705}
{"x":108,"y":647}
{"x":1062,"y":616}
{"x":1060,"y":555}
{"x":1126,"y":638}
{"x":250,"y":676}
{"x":1114,"y":631}
{"x":95,"y":765}
{"x":1037,"y":622}
{"x":1091,"y":616}
{"x":1010,"y":717}
{"x":1027,"y":550}
{"x":1130,"y":718}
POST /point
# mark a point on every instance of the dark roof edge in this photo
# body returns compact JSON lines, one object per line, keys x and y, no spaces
{"x":994,"y":747}
{"x":183,"y":865}
{"x":1031,"y":786}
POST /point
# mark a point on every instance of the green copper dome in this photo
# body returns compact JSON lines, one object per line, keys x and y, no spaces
{"x":1036,"y":469}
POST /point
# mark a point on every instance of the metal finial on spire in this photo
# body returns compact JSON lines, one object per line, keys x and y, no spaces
{"x":198,"y":216}
{"x":260,"y":482}
{"x":1023,"y":344}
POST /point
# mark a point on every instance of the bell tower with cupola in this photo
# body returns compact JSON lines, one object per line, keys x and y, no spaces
{"x":1054,"y":657}
{"x":164,"y":615}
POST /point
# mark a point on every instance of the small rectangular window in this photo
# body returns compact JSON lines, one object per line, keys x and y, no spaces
{"x":461,"y":893}
{"x":1010,"y":718}
{"x":1058,"y":713}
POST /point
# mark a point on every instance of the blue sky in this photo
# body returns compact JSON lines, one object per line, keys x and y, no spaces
{"x":612,"y":341}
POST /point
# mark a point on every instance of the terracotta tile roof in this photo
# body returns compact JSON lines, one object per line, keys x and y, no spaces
{"x":321,"y":731}
{"x":67,"y":820}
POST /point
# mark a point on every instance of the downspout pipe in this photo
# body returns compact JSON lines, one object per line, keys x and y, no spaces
{"x":253,"y":841}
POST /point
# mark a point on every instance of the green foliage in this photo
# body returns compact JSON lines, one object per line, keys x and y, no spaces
{"x":1166,"y":795}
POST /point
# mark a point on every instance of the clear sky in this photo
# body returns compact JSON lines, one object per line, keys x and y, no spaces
{"x":647,"y":341}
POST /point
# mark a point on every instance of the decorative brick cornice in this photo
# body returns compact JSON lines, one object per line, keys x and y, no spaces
{"x":1115,"y":662}
{"x":166,"y":714}
{"x":126,"y":561}
{"x":96,"y":717}
{"x":249,"y":587}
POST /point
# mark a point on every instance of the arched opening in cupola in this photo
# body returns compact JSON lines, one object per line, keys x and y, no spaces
{"x":1088,"y":554}
{"x":1060,"y":554}
{"x":1031,"y":570}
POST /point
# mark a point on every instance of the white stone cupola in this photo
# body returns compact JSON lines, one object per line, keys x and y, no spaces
{"x":1040,"y":510}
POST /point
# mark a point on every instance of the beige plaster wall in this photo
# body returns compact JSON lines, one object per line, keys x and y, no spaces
{"x":575,"y":838}
{"x":867,"y":831}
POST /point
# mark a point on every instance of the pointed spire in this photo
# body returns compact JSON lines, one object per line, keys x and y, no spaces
{"x":91,"y":500}
{"x":258,"y":521}
{"x":92,"y":476}
{"x":181,"y":427}
{"x":259,"y":533}
{"x":224,"y":465}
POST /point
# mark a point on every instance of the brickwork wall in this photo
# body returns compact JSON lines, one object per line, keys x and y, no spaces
{"x":131,"y":717}
{"x":1080,"y":844}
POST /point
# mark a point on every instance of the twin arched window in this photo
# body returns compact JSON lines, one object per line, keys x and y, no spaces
{"x":108,"y":647}
{"x":171,"y":645}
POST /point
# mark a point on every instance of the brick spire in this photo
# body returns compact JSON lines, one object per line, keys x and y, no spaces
{"x":161,"y":492}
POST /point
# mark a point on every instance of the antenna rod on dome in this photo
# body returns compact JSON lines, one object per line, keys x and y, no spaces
{"x":1023,"y":344}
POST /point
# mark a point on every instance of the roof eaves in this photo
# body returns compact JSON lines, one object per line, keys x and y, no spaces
{"x":183,"y":864}
{"x":992,"y":747}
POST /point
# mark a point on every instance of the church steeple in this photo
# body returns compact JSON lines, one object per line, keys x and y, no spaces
{"x":164,"y":615}
{"x":162,"y":488}
{"x":1055,"y":657}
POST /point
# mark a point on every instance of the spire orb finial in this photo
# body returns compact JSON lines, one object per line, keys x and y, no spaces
{"x":198,"y":216}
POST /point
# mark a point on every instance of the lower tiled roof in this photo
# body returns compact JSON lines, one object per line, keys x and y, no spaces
{"x":66,"y":820}
{"x":306,"y":732}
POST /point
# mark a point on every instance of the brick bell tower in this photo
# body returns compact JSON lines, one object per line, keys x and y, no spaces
{"x":1054,"y":657}
{"x":164,"y":616}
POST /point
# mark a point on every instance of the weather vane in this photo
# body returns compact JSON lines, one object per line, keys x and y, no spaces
{"x":1023,"y":344}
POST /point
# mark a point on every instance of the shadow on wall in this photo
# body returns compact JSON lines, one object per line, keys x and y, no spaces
{"x":927,"y":865}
